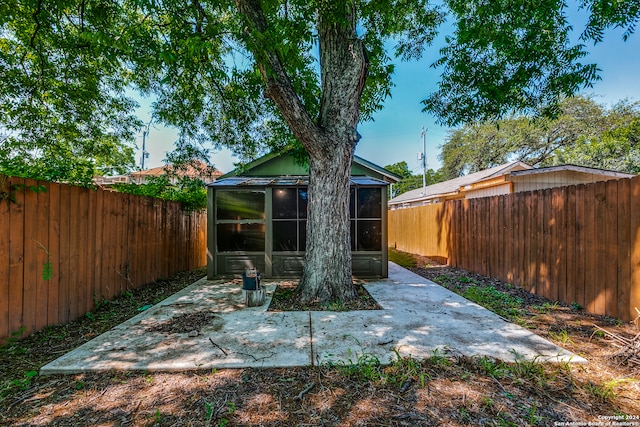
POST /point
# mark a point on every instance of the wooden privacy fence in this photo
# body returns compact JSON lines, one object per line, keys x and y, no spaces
{"x":573,"y":244}
{"x":65,"y":248}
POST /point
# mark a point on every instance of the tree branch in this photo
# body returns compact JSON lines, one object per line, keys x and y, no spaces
{"x":344,"y":65}
{"x":278,"y":85}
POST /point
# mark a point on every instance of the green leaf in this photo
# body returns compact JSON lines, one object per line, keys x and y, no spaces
{"x":47,"y":271}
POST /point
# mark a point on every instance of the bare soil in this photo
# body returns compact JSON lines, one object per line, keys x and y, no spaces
{"x":446,"y":389}
{"x":287,"y":298}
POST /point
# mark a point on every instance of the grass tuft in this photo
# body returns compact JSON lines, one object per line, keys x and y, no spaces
{"x":403,"y":259}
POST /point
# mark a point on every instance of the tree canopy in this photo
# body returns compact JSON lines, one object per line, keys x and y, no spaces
{"x":584,"y":133}
{"x":255,"y":75}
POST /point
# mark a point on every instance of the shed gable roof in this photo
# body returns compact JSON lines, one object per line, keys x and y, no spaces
{"x":283,"y":163}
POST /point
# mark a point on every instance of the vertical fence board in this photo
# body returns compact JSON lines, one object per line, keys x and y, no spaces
{"x":570,"y":283}
{"x":193,"y":240}
{"x":31,"y":250}
{"x":526,"y":241}
{"x":625,"y":234}
{"x":126,"y":260}
{"x":107,"y":241}
{"x":518,"y":236}
{"x":176,"y":256}
{"x":201,"y":252}
{"x":133,"y":240}
{"x":466,"y":238}
{"x":518,"y":249}
{"x":83,"y":252}
{"x":533,"y":243}
{"x":140,"y":255}
{"x":539,"y":254}
{"x":5,"y":228}
{"x":131,"y":250}
{"x":580,"y":292}
{"x":511,"y":257}
{"x":476,"y":232}
{"x":117,"y":259}
{"x":64,"y":269}
{"x":145,"y":239}
{"x":90,"y":257}
{"x":600,"y":246}
{"x":54,"y":254}
{"x":451,"y":255}
{"x":112,"y":273}
{"x":75,"y":223}
{"x":98,"y":246}
{"x":547,"y":232}
{"x":493,"y":234}
{"x":549,"y":244}
{"x":181,"y":247}
{"x":634,"y":207}
{"x":460,"y":238}
{"x":158,"y":244}
{"x":107,"y":236}
{"x":486,"y":236}
{"x":116,"y":278}
{"x":43,"y":250}
{"x":589,"y":248}
{"x":173,"y":231}
{"x":610,"y":284}
{"x":16,"y":257}
{"x":502,"y":238}
{"x":560,"y":254}
{"x":148,"y":238}
{"x":90,"y":198}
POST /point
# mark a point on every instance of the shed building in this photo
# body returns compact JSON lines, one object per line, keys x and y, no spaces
{"x":257,"y":218}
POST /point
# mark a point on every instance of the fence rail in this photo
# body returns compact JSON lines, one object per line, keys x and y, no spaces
{"x":573,"y":244}
{"x":64,"y":248}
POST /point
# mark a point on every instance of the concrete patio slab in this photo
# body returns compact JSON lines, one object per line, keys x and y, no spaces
{"x":418,"y":318}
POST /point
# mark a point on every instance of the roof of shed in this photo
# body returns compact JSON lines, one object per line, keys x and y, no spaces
{"x":286,"y":181}
{"x":282,"y":163}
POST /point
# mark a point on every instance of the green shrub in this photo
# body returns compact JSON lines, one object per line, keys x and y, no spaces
{"x":190,"y":192}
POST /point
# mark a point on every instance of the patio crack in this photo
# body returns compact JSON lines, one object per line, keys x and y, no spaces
{"x":311,"y":338}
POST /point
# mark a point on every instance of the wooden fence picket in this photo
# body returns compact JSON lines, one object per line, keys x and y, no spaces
{"x":577,"y":244}
{"x":64,"y":248}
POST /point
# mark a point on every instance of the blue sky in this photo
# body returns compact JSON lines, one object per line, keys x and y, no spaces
{"x":394,"y":135}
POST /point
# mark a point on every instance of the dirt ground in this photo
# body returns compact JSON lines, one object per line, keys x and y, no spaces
{"x":447,"y":389}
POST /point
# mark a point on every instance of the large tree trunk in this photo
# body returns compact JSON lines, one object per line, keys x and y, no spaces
{"x":327,"y":265}
{"x":330,"y":140}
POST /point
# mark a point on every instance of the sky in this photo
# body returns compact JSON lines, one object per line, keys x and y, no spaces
{"x":395,"y":133}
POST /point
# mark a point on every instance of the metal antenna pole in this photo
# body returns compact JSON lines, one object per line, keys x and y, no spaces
{"x":144,"y":146}
{"x":424,"y":160}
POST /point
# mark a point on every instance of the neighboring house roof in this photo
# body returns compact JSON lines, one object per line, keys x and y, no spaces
{"x":453,"y":186}
{"x":194,"y":169}
{"x":283,"y":163}
{"x":572,"y":168}
{"x":197,"y":169}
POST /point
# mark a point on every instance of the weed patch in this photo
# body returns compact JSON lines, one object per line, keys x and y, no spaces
{"x":500,"y":303}
{"x":403,"y":259}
